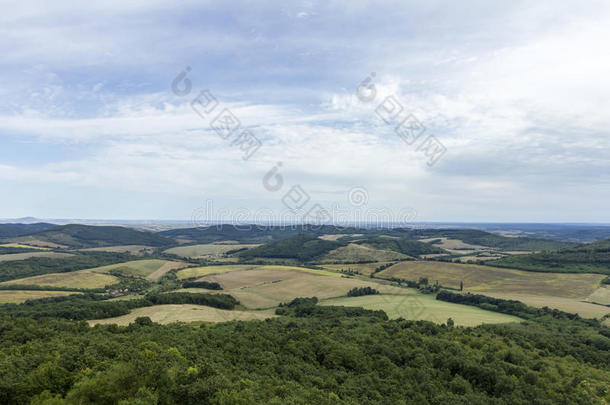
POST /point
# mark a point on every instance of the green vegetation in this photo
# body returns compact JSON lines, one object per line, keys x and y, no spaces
{"x":16,"y":230}
{"x":590,"y":258}
{"x":359,"y":291}
{"x":404,"y":246}
{"x":91,"y":306}
{"x":301,"y":247}
{"x":202,"y":284}
{"x":84,"y":236}
{"x":40,"y":265}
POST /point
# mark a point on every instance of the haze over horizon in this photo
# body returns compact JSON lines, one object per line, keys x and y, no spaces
{"x":517,"y":93}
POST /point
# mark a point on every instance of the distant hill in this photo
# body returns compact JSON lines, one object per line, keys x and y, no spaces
{"x":590,"y":258}
{"x":87,"y":236}
{"x":404,"y":246}
{"x":16,"y":230}
{"x":302,"y":247}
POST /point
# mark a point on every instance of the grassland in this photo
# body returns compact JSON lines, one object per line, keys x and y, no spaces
{"x":19,"y":296}
{"x":600,"y":296}
{"x":484,"y":279}
{"x":423,"y":307}
{"x":449,"y":244}
{"x":165,"y":314}
{"x":205,"y":250}
{"x":354,"y":253}
{"x":151,"y":269}
{"x":22,"y":256}
{"x":84,"y":279}
{"x":22,"y":246}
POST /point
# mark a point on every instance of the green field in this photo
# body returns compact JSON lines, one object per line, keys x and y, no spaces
{"x":209,"y":249}
{"x":151,"y":269}
{"x":423,"y":307}
{"x":19,"y":296}
{"x":85,"y":279}
{"x":22,"y":246}
{"x":165,"y":314}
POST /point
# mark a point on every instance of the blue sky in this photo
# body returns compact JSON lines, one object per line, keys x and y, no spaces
{"x":517,"y":92}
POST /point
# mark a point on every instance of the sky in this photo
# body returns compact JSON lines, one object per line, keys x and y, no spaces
{"x":508,"y":106}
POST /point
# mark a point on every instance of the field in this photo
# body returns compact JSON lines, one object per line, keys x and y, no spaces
{"x":77,"y":279}
{"x":362,"y":268}
{"x":450,"y":244}
{"x":493,"y":279}
{"x":571,"y":305}
{"x":19,"y":296}
{"x":268,"y":286}
{"x":600,"y":296}
{"x":133,"y":249}
{"x":207,"y":270}
{"x":423,"y":307}
{"x":205,"y":250}
{"x":32,"y":241}
{"x":23,"y":256}
{"x":151,"y":269}
{"x":22,"y":246}
{"x":336,"y":236}
{"x":353,"y":253}
{"x":185,"y":313}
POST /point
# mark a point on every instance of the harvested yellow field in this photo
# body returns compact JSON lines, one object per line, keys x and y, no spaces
{"x":77,"y":279}
{"x":267,"y":288}
{"x":22,"y":246}
{"x":19,"y":296}
{"x":30,"y":240}
{"x":151,"y":268}
{"x":447,"y":243}
{"x":220,"y":269}
{"x":28,"y":255}
{"x":353,"y":253}
{"x":336,"y":236}
{"x":478,"y":278}
{"x":206,"y":250}
{"x":600,"y":296}
{"x":165,"y":314}
{"x":571,"y":305}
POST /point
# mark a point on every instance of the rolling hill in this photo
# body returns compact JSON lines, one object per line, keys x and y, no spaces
{"x":589,"y":258}
{"x":86,"y":236}
{"x":302,"y":247}
{"x":16,"y":230}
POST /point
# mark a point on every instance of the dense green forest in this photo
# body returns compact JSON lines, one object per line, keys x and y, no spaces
{"x":35,"y":266}
{"x":404,"y":246}
{"x":85,"y":236}
{"x":16,"y":230}
{"x":316,"y":355}
{"x":302,"y":247}
{"x":590,"y":258}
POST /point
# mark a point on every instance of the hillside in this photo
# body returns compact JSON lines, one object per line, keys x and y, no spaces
{"x":86,"y":236}
{"x":404,"y":246}
{"x":301,"y":247}
{"x":590,"y":258}
{"x":16,"y":230}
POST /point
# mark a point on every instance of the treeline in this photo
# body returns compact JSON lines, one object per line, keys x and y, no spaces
{"x":322,"y":359}
{"x":202,"y":284}
{"x":92,"y":306}
{"x":36,"y":266}
{"x":359,"y":291}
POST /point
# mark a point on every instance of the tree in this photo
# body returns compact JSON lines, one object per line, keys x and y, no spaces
{"x":461,"y":285}
{"x":450,"y":323}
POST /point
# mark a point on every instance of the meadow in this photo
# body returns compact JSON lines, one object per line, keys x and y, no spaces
{"x":151,"y":269}
{"x":19,"y":296}
{"x":422,"y":307}
{"x":165,"y":314}
{"x":354,"y":253}
{"x":83,"y":279}
{"x":23,"y":256}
